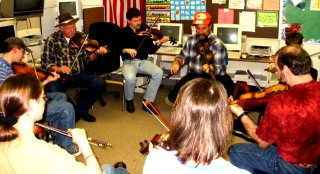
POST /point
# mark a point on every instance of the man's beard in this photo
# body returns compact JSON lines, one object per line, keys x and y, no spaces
{"x":202,"y":36}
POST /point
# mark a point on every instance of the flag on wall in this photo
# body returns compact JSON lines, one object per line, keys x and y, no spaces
{"x":116,"y":10}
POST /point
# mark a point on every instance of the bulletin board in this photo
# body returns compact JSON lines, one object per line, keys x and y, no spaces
{"x":260,"y":32}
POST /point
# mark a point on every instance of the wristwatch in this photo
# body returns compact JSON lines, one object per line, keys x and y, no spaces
{"x":241,"y":115}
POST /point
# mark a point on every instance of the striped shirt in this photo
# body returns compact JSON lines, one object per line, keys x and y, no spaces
{"x":56,"y":51}
{"x":5,"y":70}
{"x":190,"y":55}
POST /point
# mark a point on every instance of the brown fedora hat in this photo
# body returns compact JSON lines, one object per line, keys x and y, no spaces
{"x":66,"y":19}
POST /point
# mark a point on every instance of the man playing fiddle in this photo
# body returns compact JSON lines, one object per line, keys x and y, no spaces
{"x":291,"y":121}
{"x":135,"y":50}
{"x":59,"y":112}
{"x":294,"y":38}
{"x":206,"y":55}
{"x":59,"y":57}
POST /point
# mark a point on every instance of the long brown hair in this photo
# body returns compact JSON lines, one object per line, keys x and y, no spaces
{"x":16,"y":91}
{"x":201,"y":121}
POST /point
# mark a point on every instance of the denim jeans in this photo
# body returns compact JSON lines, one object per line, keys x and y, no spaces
{"x":60,"y":114}
{"x":130,"y":69}
{"x":94,"y":84}
{"x":254,"y":159}
{"x":109,"y":169}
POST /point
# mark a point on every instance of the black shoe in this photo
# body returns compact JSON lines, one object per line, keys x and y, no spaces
{"x":240,"y":131}
{"x":130,"y":106}
{"x":150,"y":107}
{"x":120,"y":164}
{"x":87,"y":117}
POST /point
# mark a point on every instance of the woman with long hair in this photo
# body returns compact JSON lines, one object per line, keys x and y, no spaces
{"x":22,"y":103}
{"x":201,"y":125}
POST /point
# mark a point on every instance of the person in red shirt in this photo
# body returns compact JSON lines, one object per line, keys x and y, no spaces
{"x":287,"y":138}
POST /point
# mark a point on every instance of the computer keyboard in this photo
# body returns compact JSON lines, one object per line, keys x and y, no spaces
{"x":234,"y":54}
{"x":169,"y":50}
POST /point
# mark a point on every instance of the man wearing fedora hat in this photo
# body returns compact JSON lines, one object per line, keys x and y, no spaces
{"x":58,"y":56}
{"x":192,"y":55}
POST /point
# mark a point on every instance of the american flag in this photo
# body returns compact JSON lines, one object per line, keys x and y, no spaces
{"x":116,"y":10}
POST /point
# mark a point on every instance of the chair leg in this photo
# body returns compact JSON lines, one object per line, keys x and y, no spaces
{"x":92,"y":110}
{"x":102,"y":102}
{"x":123,"y":97}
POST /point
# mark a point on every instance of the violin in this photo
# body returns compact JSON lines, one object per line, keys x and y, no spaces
{"x":202,"y":48}
{"x":154,"y":34}
{"x":164,"y":140}
{"x":40,"y":132}
{"x":255,"y":100}
{"x":23,"y":68}
{"x":80,"y":40}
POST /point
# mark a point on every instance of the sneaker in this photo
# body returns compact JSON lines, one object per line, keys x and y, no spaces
{"x":87,"y":117}
{"x":74,"y":150}
{"x":168,"y":102}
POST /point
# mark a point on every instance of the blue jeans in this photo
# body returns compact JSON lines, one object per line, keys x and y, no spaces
{"x":60,"y":114}
{"x":130,"y":69}
{"x":94,"y":84}
{"x":109,"y":169}
{"x":254,"y":159}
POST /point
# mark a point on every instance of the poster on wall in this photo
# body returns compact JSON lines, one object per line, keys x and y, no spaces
{"x":185,"y":9}
{"x":157,"y":10}
{"x":267,"y":19}
{"x":298,"y":16}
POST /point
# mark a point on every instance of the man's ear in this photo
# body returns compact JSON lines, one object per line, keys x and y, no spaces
{"x":286,"y":70}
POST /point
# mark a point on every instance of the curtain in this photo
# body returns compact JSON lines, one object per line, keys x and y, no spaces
{"x":116,"y":10}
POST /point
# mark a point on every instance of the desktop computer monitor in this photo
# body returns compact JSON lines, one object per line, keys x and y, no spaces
{"x":74,"y":7}
{"x":7,"y":29}
{"x":230,"y":34}
{"x":174,"y":31}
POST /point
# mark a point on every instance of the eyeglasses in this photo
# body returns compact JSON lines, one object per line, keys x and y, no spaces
{"x":45,"y":98}
{"x":26,"y":53}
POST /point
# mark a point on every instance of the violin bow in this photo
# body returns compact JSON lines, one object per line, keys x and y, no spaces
{"x":78,"y":54}
{"x":34,"y":65}
{"x":254,"y":80}
{"x":158,"y":115}
{"x":144,"y":38}
{"x":92,"y":141}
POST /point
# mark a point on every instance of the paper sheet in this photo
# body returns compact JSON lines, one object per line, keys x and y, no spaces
{"x":225,"y":16}
{"x":247,"y":21}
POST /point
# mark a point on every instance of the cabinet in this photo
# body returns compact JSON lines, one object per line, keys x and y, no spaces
{"x":257,"y":68}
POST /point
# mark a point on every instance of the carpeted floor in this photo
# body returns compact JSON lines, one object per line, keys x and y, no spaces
{"x":124,"y":130}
